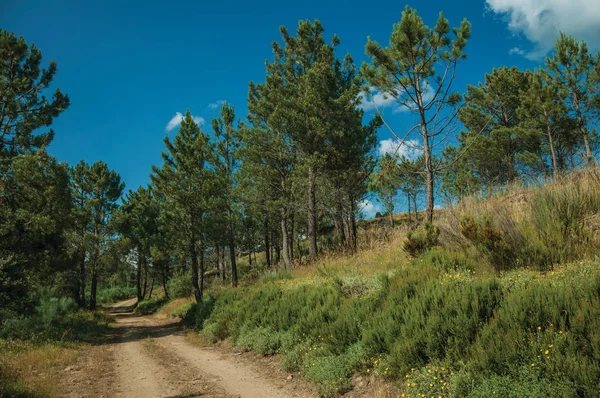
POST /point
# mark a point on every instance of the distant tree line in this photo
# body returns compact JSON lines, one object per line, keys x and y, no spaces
{"x":299,"y":164}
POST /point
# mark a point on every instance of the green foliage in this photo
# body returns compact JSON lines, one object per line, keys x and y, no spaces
{"x":559,"y":213}
{"x":489,"y":240}
{"x":273,"y":276}
{"x":179,"y":286}
{"x":113,"y":294}
{"x":150,"y":306}
{"x":55,"y":319}
{"x":548,"y":325}
{"x":421,"y":240}
{"x":24,"y":108}
{"x":262,"y":340}
{"x":448,"y":260}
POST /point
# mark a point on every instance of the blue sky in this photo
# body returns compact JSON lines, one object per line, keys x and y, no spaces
{"x":130,"y":66}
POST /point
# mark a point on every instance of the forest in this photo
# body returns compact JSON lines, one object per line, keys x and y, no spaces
{"x":502,"y":197}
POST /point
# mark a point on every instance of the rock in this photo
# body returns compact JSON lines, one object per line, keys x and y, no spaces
{"x":361,"y":384}
{"x":289,"y":378}
{"x":68,"y":369}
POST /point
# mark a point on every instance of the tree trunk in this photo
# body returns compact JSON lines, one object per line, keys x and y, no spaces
{"x":151,"y":289}
{"x":285,"y":242}
{"x":234,"y":273}
{"x":353,"y":232}
{"x":145,"y":264}
{"x":94,"y":289}
{"x":426,"y":153}
{"x":96,"y":257}
{"x":415,"y":208}
{"x":312,"y":217}
{"x":267,"y":240}
{"x":291,"y":237}
{"x":201,"y":268}
{"x":81,"y":292}
{"x":223,"y":262}
{"x":552,"y":151}
{"x":277,"y":252}
{"x":138,"y":276}
{"x":338,"y":219}
{"x":194,"y":258}
{"x":584,"y":133}
{"x":249,"y":257}
{"x":408,"y":200}
{"x":165,"y":279}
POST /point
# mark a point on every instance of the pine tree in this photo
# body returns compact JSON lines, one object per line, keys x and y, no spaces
{"x":386,"y":182}
{"x":82,"y":218}
{"x":228,"y":142}
{"x":572,"y":68}
{"x":23,"y":107}
{"x":105,"y":190}
{"x":35,"y":215}
{"x":498,"y":147}
{"x":138,"y":220}
{"x":188,"y":182}
{"x":544,"y":111}
{"x":418,"y":69}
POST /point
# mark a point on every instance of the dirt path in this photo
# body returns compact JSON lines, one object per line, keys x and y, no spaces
{"x":146,"y":357}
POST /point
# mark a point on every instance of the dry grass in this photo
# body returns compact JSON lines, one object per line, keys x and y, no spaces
{"x":382,"y":257}
{"x":35,"y":369}
{"x":169,"y":308}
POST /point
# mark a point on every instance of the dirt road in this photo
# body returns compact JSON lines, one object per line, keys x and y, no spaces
{"x":146,"y":357}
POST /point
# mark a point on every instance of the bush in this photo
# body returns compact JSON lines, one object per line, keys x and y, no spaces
{"x":552,"y":327}
{"x":558,"y":215}
{"x":55,"y":319}
{"x":114,"y":294}
{"x":147,"y":307}
{"x":276,"y":276}
{"x":262,"y":340}
{"x":448,"y":260}
{"x":421,"y":240}
{"x":180,"y":285}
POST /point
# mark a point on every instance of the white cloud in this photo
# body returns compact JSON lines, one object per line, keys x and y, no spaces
{"x":410,"y":148}
{"x":518,"y":51}
{"x":368,"y":208}
{"x":176,"y":121}
{"x":376,"y":99}
{"x":216,"y":104}
{"x":541,"y":21}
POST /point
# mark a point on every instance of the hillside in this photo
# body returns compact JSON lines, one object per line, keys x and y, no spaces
{"x":503,"y":300}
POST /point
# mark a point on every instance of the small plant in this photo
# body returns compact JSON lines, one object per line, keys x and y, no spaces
{"x":421,"y":240}
{"x":150,"y":306}
{"x":179,"y":286}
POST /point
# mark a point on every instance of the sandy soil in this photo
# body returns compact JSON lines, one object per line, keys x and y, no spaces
{"x":146,"y":357}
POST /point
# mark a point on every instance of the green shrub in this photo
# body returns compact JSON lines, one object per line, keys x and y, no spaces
{"x":558,"y":215}
{"x":448,"y":260}
{"x":114,"y":294}
{"x":262,"y":340}
{"x":179,"y":285}
{"x":273,"y":276}
{"x":330,"y":373}
{"x":552,"y":327}
{"x":421,"y":240}
{"x":55,"y":319}
{"x":150,"y":306}
{"x":489,"y":240}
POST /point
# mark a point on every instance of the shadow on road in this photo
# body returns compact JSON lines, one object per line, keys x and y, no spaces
{"x":134,"y":327}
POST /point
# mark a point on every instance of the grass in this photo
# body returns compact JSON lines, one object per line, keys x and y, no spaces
{"x":30,"y":370}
